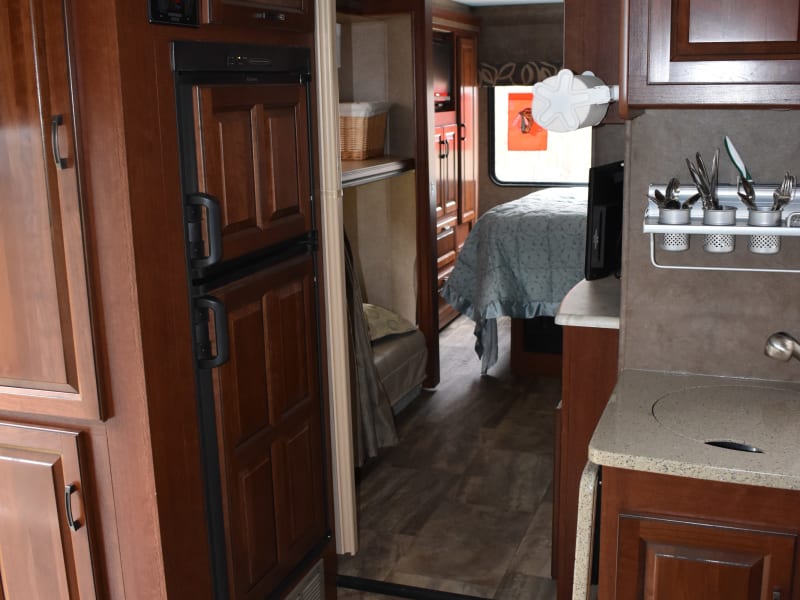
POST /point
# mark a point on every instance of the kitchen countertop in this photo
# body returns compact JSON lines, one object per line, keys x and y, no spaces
{"x":658,"y":422}
{"x":592,"y":303}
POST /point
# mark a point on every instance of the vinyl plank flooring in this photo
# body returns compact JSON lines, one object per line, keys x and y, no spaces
{"x":463,"y":503}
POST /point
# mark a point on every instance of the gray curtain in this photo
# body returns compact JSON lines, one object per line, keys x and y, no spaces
{"x":372,"y":412}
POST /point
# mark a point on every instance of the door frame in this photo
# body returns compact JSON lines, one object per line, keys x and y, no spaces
{"x":332,"y":226}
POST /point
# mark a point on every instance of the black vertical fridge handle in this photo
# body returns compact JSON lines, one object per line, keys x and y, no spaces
{"x":214,"y":232}
{"x":217,"y":308}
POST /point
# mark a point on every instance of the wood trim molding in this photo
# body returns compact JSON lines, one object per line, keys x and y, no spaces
{"x":332,"y":225}
{"x":454,"y":20}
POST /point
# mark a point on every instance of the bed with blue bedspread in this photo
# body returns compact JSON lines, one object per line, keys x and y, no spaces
{"x":520,"y":260}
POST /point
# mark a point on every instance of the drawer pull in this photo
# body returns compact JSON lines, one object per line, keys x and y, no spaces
{"x":56,"y":122}
{"x":73,"y":523}
{"x":265,"y":15}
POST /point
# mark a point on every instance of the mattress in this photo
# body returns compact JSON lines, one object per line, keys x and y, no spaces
{"x":400,"y":361}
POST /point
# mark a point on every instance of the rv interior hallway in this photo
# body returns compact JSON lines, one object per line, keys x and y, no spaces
{"x":464,"y":503}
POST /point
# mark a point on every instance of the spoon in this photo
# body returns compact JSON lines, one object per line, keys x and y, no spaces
{"x":689,"y":202}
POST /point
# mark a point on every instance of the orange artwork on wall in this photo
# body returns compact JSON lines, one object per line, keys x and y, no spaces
{"x":523,"y":132}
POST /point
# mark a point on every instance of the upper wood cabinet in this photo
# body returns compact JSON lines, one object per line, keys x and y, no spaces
{"x":288,"y":14}
{"x":47,"y":363}
{"x":711,"y":52}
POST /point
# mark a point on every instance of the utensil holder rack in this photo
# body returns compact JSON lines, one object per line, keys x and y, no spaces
{"x":790,"y":225}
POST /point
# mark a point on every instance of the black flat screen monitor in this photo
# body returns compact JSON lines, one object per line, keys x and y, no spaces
{"x":604,"y":221}
{"x":443,"y":71}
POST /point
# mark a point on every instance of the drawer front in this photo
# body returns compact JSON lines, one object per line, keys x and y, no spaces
{"x":446,"y":242}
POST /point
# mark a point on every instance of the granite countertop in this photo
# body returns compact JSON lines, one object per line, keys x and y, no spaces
{"x":592,"y":303}
{"x":658,"y":422}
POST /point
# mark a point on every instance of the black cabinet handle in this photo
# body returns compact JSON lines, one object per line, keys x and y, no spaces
{"x":214,"y":229}
{"x":217,"y":308}
{"x":266,"y":15}
{"x":442,"y":151}
{"x":462,"y":132}
{"x":56,"y":122}
{"x":73,"y":523}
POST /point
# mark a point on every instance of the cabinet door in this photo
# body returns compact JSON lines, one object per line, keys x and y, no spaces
{"x":467,"y":64}
{"x":253,"y":157}
{"x":287,"y":14}
{"x":717,"y":52}
{"x":666,"y":559}
{"x":41,"y":556}
{"x":46,"y":349}
{"x":269,"y":421}
{"x":446,"y":141}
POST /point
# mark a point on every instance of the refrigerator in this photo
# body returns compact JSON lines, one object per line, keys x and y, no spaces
{"x":247,"y":178}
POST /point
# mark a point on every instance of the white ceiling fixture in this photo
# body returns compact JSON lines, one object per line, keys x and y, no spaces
{"x":506,"y":2}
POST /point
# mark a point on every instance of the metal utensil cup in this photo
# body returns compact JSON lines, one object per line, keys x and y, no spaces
{"x":674,"y":242}
{"x":764,"y":243}
{"x":719,"y":243}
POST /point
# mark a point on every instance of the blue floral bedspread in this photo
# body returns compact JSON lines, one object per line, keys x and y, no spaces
{"x":520,"y":260}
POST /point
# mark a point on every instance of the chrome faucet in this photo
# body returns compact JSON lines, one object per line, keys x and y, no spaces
{"x":782,"y":346}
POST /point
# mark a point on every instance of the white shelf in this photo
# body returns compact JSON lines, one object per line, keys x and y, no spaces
{"x":696,"y":227}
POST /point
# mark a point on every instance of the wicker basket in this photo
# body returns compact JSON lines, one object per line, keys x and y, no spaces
{"x":362,"y":129}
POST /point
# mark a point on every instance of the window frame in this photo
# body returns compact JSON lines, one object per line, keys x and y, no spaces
{"x":490,"y":115}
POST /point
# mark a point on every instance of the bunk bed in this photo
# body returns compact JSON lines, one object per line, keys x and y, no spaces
{"x":519,"y":260}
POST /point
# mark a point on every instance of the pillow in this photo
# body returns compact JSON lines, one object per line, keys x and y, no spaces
{"x":383,"y":322}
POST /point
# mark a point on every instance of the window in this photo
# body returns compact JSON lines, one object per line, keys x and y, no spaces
{"x":522,"y":153}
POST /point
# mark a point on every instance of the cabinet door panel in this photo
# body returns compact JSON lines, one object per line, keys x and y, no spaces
{"x":284,"y":14}
{"x":46,"y":350}
{"x":664,"y":559}
{"x":253,"y":157}
{"x":40,"y":557}
{"x":733,"y":52}
{"x":268,"y":415}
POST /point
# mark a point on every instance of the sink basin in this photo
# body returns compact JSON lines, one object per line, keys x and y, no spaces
{"x":759,"y":418}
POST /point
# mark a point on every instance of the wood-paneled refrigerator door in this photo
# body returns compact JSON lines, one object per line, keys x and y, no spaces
{"x":253,"y":159}
{"x":269,"y":427}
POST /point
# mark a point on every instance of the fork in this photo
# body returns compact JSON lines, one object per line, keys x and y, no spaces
{"x":784,"y":193}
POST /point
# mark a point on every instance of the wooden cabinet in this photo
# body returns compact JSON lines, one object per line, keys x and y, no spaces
{"x":44,"y":539}
{"x":711,"y":52}
{"x":456,"y":147}
{"x":47,"y":363}
{"x":96,"y":348}
{"x":445,"y":141}
{"x":691,"y":559}
{"x":589,"y":373}
{"x":269,"y":427}
{"x":285,"y":14}
{"x":666,"y":537}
